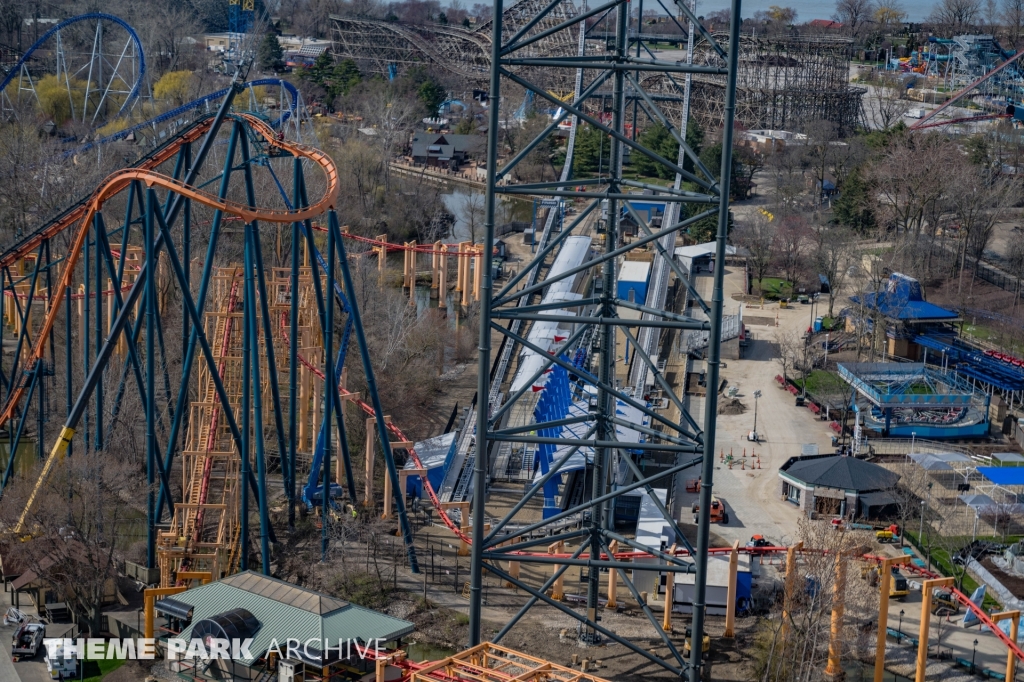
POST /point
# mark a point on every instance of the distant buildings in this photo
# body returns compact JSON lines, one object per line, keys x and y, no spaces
{"x":445,"y":150}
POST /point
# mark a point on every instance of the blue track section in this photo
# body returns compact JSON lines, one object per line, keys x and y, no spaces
{"x":195,"y":104}
{"x":313,"y":490}
{"x":74,"y":20}
{"x":973,"y":363}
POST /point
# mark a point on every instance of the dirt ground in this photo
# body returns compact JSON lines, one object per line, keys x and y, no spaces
{"x":1014,"y":584}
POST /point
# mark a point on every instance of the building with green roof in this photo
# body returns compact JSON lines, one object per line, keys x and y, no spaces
{"x":325,"y":632}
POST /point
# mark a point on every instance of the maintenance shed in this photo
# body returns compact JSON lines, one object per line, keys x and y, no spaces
{"x":837,"y":486}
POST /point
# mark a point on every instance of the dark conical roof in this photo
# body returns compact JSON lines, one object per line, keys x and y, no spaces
{"x":848,"y":473}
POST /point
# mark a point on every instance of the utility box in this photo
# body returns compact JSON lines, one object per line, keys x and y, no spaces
{"x":147,"y":576}
{"x":290,"y":670}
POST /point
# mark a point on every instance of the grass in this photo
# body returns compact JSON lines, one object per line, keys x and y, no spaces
{"x":828,"y":322}
{"x":942,"y":563}
{"x":774,"y":287}
{"x":95,"y":670}
{"x":819,"y":382}
{"x":1007,"y":342}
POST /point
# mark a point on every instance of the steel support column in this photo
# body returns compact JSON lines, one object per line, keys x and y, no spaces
{"x":509,"y":417}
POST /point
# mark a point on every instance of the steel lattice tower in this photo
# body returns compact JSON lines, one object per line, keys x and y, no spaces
{"x":599,"y":314}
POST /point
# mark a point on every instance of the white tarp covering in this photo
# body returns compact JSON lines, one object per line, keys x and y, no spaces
{"x":542,"y":334}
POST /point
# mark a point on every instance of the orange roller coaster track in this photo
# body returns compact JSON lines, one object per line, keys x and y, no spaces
{"x":120,"y":180}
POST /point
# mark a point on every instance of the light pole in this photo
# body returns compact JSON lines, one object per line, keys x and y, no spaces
{"x":973,"y":654}
{"x":920,"y":532}
{"x":913,"y":437}
{"x":827,"y":335}
{"x":753,"y":434}
{"x":899,"y":628}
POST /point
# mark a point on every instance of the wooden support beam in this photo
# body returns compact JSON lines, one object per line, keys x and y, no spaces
{"x":558,"y":589}
{"x":613,"y":577}
{"x":1011,"y":659}
{"x":666,"y":622}
{"x":730,"y":599}
{"x":883,"y":612}
{"x":926,"y":613}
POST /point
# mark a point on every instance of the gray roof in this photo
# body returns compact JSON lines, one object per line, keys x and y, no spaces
{"x":847,"y":473}
{"x":288,"y":611}
{"x":446,"y":144}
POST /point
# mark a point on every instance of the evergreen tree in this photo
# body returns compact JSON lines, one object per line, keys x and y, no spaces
{"x":346,"y":76}
{"x":271,"y":55}
{"x":591,"y":154}
{"x":853,"y":207}
{"x":432,"y":94}
{"x":658,"y":139}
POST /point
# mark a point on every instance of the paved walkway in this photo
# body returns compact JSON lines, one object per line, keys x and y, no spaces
{"x":752,"y":495}
{"x":949,"y":634}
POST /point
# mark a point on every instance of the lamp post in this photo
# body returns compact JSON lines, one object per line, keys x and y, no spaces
{"x":827,"y":335}
{"x":899,"y":628}
{"x":973,"y":654}
{"x":757,"y":394}
{"x":920,"y":532}
{"x":913,"y":437}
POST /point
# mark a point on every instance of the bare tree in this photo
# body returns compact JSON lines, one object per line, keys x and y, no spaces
{"x":791,"y":234}
{"x":1015,"y":264}
{"x":1013,"y":22}
{"x":904,"y":185}
{"x":786,"y":164}
{"x":474,"y":212}
{"x":790,"y":349}
{"x":991,"y":16}
{"x":820,"y":151}
{"x":831,"y":254}
{"x":887,"y":105}
{"x":392,"y":116}
{"x":757,"y":236}
{"x":794,"y":640}
{"x":854,"y":14}
{"x":889,"y":14}
{"x":978,"y":205}
{"x":80,"y":517}
{"x":956,"y":16}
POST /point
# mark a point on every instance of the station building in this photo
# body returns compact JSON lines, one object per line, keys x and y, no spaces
{"x":837,"y":486}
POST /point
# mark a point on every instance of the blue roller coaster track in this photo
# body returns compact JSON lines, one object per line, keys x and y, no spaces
{"x":195,"y":104}
{"x":99,"y":16}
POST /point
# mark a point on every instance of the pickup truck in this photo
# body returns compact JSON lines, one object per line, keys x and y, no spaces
{"x":28,"y":640}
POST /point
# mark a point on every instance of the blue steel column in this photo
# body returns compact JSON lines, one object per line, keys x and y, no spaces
{"x":204,"y":283}
{"x":246,"y":412}
{"x":329,"y":387}
{"x":714,"y":350}
{"x":150,"y":241}
{"x":67,"y":349}
{"x":293,"y":332}
{"x":86,"y":303}
{"x":186,"y":245}
{"x":257,"y":394}
{"x":371,"y":389}
{"x":97,"y":226}
{"x":484,"y":346}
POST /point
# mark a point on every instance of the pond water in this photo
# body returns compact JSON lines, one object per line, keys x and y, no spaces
{"x":467,"y":205}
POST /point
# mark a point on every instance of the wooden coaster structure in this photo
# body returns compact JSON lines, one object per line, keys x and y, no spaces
{"x":205,"y":528}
